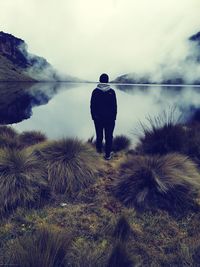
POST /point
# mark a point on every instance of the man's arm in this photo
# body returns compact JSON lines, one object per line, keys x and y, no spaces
{"x":114,"y":105}
{"x":92,"y":105}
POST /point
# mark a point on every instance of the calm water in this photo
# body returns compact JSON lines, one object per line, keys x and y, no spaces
{"x":63,"y":109}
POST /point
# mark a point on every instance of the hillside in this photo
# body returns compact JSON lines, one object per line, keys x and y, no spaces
{"x":10,"y":72}
{"x":17,"y":64}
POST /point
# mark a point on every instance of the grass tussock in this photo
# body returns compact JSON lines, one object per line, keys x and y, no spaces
{"x":8,"y":137}
{"x":121,"y":142}
{"x":45,"y":248}
{"x":162,"y":134}
{"x":8,"y":132}
{"x":169,"y":182}
{"x":71,"y":164}
{"x":22,"y":180}
{"x":30,"y":138}
{"x":122,"y":230}
{"x":119,"y":257}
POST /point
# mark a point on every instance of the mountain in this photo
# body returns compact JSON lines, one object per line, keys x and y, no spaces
{"x":17,"y":64}
{"x":185,"y":73}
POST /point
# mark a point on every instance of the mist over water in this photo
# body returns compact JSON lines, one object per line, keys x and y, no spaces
{"x":63,"y":109}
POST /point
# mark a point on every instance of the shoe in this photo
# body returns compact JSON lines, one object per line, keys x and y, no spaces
{"x":108,"y":157}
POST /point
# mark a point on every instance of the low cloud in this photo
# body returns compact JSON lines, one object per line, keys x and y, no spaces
{"x":85,"y":38}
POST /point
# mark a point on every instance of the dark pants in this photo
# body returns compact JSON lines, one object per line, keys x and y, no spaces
{"x":106,"y":127}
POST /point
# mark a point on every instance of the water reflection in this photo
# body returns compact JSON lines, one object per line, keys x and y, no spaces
{"x":62,"y":109}
{"x":18,"y":99}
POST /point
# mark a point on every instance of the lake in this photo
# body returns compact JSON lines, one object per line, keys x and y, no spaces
{"x":63,"y":109}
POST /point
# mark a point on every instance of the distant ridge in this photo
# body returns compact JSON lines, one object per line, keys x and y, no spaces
{"x":17,"y":64}
{"x":168,"y":77}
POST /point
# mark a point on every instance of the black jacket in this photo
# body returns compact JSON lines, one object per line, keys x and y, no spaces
{"x":103,"y":105}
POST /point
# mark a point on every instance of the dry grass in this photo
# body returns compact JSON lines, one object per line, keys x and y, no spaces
{"x":121,"y":142}
{"x":22,"y":180}
{"x":8,"y":137}
{"x":47,"y":247}
{"x":162,"y":134}
{"x":119,"y":257}
{"x":71,"y":164}
{"x":122,"y":230}
{"x":8,"y":131}
{"x":168,"y":182}
{"x":30,"y":138}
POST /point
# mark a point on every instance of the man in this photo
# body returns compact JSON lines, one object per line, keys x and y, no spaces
{"x":103,"y":106}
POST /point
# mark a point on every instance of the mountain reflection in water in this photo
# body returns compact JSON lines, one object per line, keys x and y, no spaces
{"x":63,"y":109}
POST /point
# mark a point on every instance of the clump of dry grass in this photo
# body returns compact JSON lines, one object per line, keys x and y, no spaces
{"x":120,"y":142}
{"x":8,"y":131}
{"x":122,"y":229}
{"x":71,"y":164}
{"x":30,"y":138}
{"x":8,"y":137}
{"x":46,"y":248}
{"x":162,"y":134}
{"x":22,"y":180}
{"x":169,"y":182}
{"x":119,"y":257}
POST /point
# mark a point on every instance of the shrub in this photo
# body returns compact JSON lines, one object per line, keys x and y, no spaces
{"x":71,"y":165}
{"x":8,"y":137}
{"x":30,"y":138}
{"x":22,"y":180}
{"x":169,"y":182}
{"x":163,"y":135}
{"x":45,"y":248}
{"x":8,"y":131}
{"x":121,"y":142}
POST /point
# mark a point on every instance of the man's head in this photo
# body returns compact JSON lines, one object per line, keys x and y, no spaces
{"x":104,"y":78}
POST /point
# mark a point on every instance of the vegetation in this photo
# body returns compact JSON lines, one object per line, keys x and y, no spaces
{"x":121,"y":142}
{"x":119,"y":258}
{"x":30,"y":138}
{"x":84,"y":224}
{"x":71,"y":165}
{"x":168,"y":182}
{"x":22,"y":180}
{"x":122,"y":230}
{"x":45,"y":247}
{"x":8,"y":137}
{"x":162,"y":134}
{"x":7,"y":131}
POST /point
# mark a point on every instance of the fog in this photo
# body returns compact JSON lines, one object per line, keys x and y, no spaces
{"x":86,"y":38}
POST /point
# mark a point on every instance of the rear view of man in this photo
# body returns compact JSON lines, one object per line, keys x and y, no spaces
{"x":103,"y":106}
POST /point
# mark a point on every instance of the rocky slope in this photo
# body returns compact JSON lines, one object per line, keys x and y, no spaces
{"x":16,"y":64}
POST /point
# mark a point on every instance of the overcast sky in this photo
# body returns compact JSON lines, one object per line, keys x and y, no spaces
{"x":87,"y":37}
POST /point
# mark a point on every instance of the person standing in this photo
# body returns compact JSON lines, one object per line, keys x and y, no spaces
{"x":103,"y":107}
